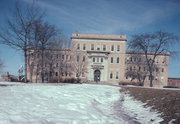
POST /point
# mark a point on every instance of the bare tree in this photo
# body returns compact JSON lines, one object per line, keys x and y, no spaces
{"x":79,"y":63}
{"x":44,"y":35}
{"x":136,"y":68}
{"x":19,"y":31}
{"x":1,"y":65}
{"x":153,"y":45}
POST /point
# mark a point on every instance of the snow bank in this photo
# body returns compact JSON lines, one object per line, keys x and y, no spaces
{"x":136,"y":112}
{"x":68,"y":104}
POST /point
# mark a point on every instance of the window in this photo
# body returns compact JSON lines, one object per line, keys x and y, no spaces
{"x":162,"y":69}
{"x":112,"y":48}
{"x":144,"y":68}
{"x":84,"y":58}
{"x":56,"y":73}
{"x":111,"y":75}
{"x":77,"y":58}
{"x":117,"y":75}
{"x":56,"y":64}
{"x":157,"y":69}
{"x":130,"y":68}
{"x":117,"y":59}
{"x":101,"y":59}
{"x":139,"y":68}
{"x":83,"y":75}
{"x":84,"y":46}
{"x":62,"y":57}
{"x":78,"y":46}
{"x":118,"y":48}
{"x":92,"y":46}
{"x":76,"y":74}
{"x":104,"y":47}
{"x":111,"y":59}
{"x":97,"y":59}
{"x":131,"y":59}
{"x":98,"y":48}
{"x":66,"y":57}
{"x":93,"y":59}
{"x":57,"y":56}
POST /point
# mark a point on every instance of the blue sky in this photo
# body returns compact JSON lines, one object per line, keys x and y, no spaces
{"x":101,"y":16}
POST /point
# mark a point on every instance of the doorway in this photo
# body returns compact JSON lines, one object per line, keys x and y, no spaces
{"x":97,"y":75}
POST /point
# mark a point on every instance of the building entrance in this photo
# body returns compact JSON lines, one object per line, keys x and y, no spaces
{"x":97,"y":75}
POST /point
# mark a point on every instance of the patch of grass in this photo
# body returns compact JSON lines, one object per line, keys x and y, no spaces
{"x":163,"y":100}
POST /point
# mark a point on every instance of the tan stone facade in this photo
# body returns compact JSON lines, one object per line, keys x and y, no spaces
{"x":101,"y":58}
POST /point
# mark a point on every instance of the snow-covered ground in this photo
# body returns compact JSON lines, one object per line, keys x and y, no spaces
{"x":71,"y":104}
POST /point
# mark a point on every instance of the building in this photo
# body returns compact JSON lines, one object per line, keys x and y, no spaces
{"x":174,"y":82}
{"x":96,"y":58}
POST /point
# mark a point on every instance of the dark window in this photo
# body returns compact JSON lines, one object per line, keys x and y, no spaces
{"x":101,"y":59}
{"x":77,"y":58}
{"x":162,"y":69}
{"x":117,"y":75}
{"x":56,"y":64}
{"x":118,"y":48}
{"x":98,"y":48}
{"x":139,"y":68}
{"x":111,"y":75}
{"x":78,"y":46}
{"x":104,"y":47}
{"x":93,"y":59}
{"x":97,"y":59}
{"x":92,"y":46}
{"x":83,"y":58}
{"x":62,"y":57}
{"x":83,"y":74}
{"x":112,"y":48}
{"x":157,"y":69}
{"x":111,"y":59}
{"x":56,"y":73}
{"x":117,"y":59}
{"x":84,"y":46}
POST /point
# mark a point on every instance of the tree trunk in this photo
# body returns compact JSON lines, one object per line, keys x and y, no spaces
{"x":42,"y":66}
{"x":151,"y":79}
{"x":25,"y":65}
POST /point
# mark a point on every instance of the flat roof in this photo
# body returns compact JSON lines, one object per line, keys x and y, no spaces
{"x":99,"y":36}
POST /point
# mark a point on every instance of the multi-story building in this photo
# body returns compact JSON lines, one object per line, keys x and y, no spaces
{"x":101,"y":58}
